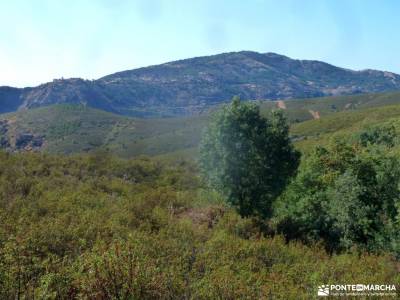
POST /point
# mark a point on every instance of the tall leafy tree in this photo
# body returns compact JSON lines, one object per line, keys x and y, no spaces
{"x":346,"y":194}
{"x":247,"y":157}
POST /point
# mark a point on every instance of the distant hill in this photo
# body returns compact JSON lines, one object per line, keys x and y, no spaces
{"x":193,"y":85}
{"x":71,"y":128}
{"x":74,"y":128}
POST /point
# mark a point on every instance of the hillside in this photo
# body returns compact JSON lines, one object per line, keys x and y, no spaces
{"x":65,"y":129}
{"x":299,"y":110}
{"x":319,"y":132}
{"x":192,"y":85}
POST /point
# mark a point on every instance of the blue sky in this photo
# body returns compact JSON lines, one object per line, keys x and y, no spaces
{"x":45,"y":39}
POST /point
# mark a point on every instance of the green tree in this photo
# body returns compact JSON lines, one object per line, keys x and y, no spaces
{"x":247,"y":157}
{"x":346,"y":194}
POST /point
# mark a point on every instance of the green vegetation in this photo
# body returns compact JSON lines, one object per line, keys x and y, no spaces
{"x":97,"y":227}
{"x":347,"y":194}
{"x":248,"y":158}
{"x":298,"y":110}
{"x":319,"y":132}
{"x":94,"y":226}
{"x":66,"y":129}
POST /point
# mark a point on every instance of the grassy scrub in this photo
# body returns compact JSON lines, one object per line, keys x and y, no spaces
{"x":97,"y":227}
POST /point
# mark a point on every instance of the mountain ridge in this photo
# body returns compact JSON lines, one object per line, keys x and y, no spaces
{"x":192,"y":85}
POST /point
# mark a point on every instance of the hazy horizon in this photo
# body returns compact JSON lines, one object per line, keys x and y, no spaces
{"x":46,"y":40}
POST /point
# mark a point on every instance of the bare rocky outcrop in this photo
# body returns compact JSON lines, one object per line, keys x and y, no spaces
{"x":28,"y":142}
{"x":12,"y":140}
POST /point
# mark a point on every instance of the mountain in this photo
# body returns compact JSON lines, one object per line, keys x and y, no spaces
{"x":193,"y":85}
{"x":75,"y":128}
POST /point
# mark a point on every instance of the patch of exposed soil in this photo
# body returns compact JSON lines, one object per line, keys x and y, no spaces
{"x":315,"y":114}
{"x":281,"y":104}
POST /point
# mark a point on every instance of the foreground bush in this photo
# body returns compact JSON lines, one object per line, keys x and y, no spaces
{"x":101,"y":228}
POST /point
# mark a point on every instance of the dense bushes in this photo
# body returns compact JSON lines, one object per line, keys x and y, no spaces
{"x":347,"y":194}
{"x":95,"y":227}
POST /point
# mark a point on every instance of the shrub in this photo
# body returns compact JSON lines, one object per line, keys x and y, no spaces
{"x":346,"y":194}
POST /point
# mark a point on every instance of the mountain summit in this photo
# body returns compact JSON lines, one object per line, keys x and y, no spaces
{"x":191,"y":85}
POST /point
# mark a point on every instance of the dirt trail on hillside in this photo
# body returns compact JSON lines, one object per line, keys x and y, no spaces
{"x":281,"y":104}
{"x":315,"y":114}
